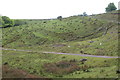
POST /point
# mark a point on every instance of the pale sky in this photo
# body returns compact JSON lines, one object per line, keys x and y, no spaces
{"x":46,"y":9}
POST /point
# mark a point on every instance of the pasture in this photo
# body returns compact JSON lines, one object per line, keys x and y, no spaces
{"x":90,"y":35}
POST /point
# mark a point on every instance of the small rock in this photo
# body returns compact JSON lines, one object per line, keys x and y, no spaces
{"x":91,"y":41}
{"x":5,"y":63}
{"x":117,"y":71}
{"x":83,"y":60}
{"x":68,"y":46}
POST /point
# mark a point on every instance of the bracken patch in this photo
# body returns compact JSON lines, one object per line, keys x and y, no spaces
{"x":62,"y":67}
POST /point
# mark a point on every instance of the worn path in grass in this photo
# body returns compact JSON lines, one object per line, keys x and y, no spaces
{"x":84,"y":55}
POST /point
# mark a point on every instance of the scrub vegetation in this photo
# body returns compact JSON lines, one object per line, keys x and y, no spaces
{"x":91,"y":35}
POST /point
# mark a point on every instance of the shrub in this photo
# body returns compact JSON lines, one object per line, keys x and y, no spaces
{"x":60,"y":18}
{"x":62,"y":67}
{"x":84,"y":14}
{"x":7,"y":22}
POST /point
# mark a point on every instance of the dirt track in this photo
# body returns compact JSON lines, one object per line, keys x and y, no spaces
{"x":85,"y":55}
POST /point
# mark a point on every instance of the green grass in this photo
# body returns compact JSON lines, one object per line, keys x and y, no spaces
{"x":71,"y":35}
{"x":110,"y":16}
{"x":75,"y":30}
{"x":33,"y":63}
{"x":38,"y":32}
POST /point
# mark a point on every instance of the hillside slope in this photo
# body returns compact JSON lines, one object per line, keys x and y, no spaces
{"x":93,"y":36}
{"x":75,"y":35}
{"x":110,"y":16}
{"x":38,"y":32}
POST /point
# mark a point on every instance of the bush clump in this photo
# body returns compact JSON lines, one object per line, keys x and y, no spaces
{"x":62,"y":67}
{"x":6,"y":21}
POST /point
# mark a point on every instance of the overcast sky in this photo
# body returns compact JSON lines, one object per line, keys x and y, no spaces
{"x":44,"y":9}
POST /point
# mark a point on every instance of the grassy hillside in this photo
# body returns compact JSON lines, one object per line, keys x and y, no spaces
{"x":76,"y":34}
{"x":39,"y":32}
{"x":110,"y":16}
{"x":75,"y":31}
